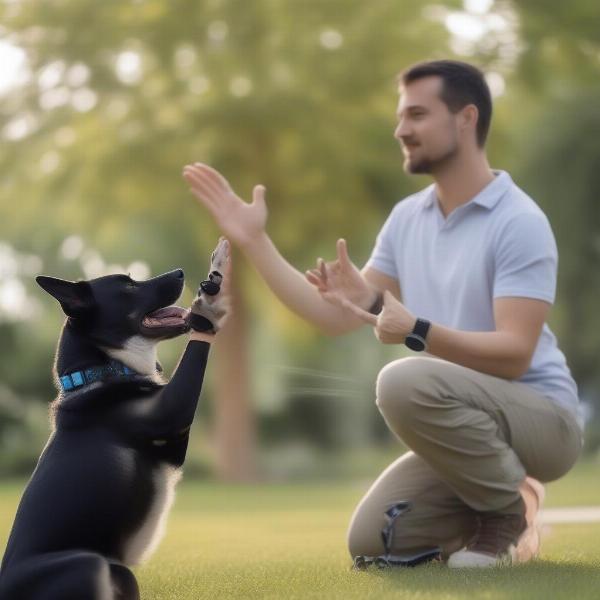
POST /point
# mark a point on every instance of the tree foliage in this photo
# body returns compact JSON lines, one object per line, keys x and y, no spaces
{"x":298,"y":95}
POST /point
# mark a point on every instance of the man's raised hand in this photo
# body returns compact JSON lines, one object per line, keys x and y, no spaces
{"x":240,"y":221}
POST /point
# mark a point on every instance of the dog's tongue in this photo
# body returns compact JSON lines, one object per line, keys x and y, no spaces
{"x":172,"y":315}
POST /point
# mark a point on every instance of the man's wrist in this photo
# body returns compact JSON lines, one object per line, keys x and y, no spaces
{"x":251,"y":244}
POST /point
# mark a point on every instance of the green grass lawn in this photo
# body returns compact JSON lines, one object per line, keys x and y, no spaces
{"x":288,"y":541}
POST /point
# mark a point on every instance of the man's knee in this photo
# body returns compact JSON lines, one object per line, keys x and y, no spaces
{"x":364,"y":536}
{"x":411,"y":533}
{"x":401,"y":385}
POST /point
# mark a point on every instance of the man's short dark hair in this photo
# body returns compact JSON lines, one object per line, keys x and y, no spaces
{"x":462,"y":84}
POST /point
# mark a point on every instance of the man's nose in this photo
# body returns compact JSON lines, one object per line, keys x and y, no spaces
{"x":402,"y":130}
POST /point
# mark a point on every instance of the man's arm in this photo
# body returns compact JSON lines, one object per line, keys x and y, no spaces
{"x":505,"y":352}
{"x":292,"y":288}
{"x":245,"y":225}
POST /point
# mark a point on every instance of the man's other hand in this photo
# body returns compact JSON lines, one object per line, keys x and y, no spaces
{"x":339,"y":281}
{"x":392,"y":324}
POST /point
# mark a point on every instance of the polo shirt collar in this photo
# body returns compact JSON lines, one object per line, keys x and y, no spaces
{"x":488,"y":197}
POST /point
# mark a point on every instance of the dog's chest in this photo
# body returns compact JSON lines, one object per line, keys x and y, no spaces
{"x":144,"y":541}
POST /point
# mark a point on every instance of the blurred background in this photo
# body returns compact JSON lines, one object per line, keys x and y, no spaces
{"x":101,"y":105}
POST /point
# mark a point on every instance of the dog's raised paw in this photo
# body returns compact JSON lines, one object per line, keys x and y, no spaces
{"x":209,"y":308}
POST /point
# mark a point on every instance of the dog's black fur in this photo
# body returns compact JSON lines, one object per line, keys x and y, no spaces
{"x":98,"y":498}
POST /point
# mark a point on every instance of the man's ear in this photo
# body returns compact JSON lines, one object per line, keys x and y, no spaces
{"x":469,"y":115}
{"x":75,"y":298}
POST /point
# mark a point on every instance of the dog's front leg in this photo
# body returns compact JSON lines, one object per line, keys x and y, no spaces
{"x":168,"y":413}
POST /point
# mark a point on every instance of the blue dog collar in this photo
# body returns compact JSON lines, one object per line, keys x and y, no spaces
{"x":77,"y":379}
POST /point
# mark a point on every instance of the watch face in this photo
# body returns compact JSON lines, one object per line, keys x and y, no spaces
{"x":414,"y":342}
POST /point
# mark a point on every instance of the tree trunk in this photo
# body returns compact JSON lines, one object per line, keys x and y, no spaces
{"x":235,"y":434}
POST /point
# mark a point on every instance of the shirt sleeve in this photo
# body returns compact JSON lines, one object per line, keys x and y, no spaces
{"x":383,"y":255}
{"x":526,"y":259}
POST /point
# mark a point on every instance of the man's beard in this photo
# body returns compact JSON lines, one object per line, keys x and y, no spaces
{"x":427,"y":165}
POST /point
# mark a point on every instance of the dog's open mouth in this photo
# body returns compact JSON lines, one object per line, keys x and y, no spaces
{"x":166,"y":318}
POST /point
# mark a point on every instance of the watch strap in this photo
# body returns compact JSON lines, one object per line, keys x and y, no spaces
{"x":421,"y":328}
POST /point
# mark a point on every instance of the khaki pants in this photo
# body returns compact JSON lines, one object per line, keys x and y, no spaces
{"x":473,"y":439}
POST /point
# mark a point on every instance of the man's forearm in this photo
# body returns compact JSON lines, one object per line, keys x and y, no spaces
{"x":498,"y":353}
{"x":292,"y":288}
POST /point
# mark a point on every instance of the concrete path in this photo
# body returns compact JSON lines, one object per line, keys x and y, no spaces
{"x":578,"y":514}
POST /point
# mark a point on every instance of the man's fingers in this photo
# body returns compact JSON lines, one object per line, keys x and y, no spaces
{"x":342,"y":252}
{"x":332,"y":298}
{"x":198,"y":183}
{"x":199,"y":180}
{"x":212,"y":181}
{"x":389,"y":298}
{"x":315,"y":273}
{"x":363,"y":315}
{"x":258,"y":195}
{"x":322,"y":269}
{"x":191,"y":176}
{"x":194,"y":172}
{"x":312,"y":278}
{"x":205,"y":199}
{"x":213,"y":175}
{"x":315,"y":279}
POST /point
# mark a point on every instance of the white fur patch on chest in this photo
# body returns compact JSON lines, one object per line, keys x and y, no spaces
{"x":139,"y":353}
{"x":144,"y":541}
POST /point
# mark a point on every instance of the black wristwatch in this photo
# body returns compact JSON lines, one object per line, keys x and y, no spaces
{"x":416,"y":339}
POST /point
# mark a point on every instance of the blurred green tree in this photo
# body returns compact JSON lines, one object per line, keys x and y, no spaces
{"x":297,"y":95}
{"x":560,"y":150}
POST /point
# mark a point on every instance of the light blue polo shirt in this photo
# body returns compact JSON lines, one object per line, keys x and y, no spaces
{"x":450,"y":270}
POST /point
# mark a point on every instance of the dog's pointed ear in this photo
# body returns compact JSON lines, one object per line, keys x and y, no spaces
{"x":75,"y":297}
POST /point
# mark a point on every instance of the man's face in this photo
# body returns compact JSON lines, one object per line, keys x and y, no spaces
{"x":427,"y":130}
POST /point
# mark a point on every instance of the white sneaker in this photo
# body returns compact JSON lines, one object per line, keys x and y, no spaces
{"x":469,"y":559}
{"x":528,"y":545}
{"x":495,"y":542}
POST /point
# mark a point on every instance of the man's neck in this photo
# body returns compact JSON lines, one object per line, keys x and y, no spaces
{"x":459,"y":182}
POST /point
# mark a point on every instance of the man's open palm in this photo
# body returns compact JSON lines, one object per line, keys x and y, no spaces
{"x":240,"y":221}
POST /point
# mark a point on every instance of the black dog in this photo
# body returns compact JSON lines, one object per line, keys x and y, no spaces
{"x":99,"y":497}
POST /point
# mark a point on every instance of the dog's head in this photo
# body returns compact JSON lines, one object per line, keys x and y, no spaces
{"x":117,"y":313}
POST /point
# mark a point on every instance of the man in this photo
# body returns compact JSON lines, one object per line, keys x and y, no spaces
{"x":465,"y":269}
